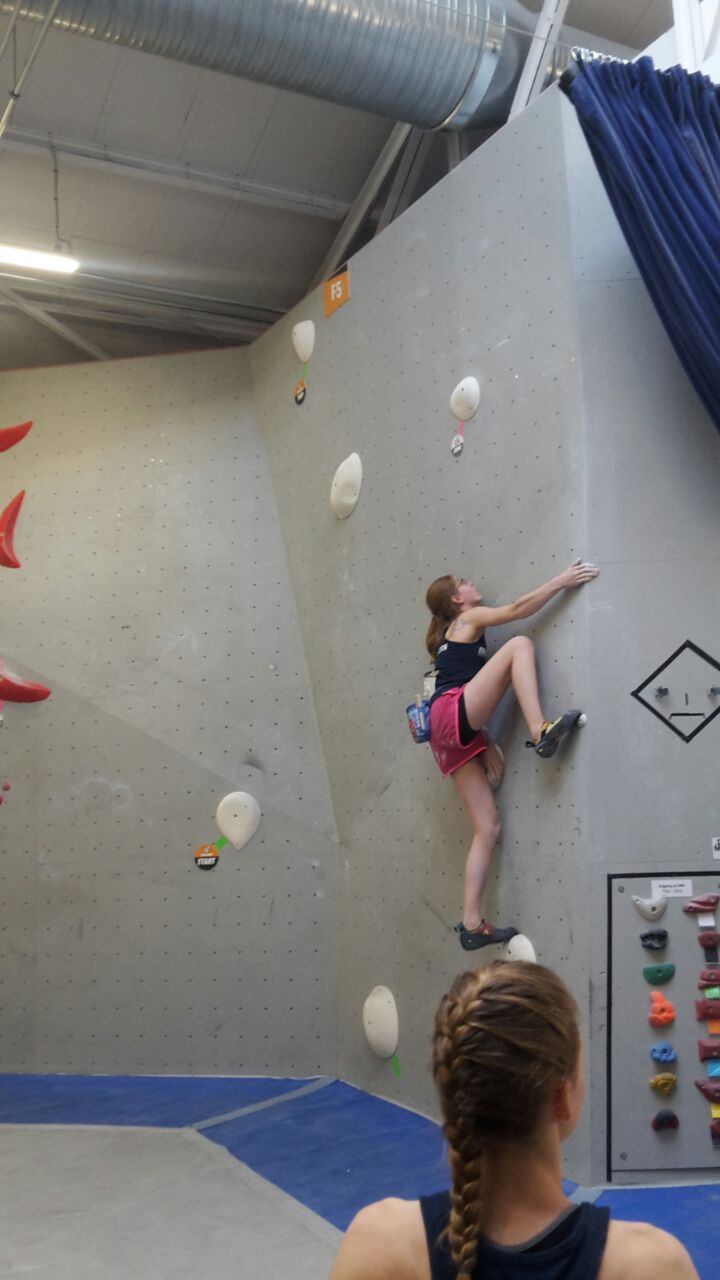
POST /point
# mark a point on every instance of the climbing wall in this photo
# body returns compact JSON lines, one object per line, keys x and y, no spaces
{"x":154,"y":600}
{"x":636,"y":1148}
{"x":588,"y":441}
{"x":472,"y":280}
{"x":653,"y":634}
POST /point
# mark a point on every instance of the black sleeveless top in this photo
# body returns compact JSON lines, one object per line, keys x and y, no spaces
{"x":456,"y":663}
{"x":571,"y":1248}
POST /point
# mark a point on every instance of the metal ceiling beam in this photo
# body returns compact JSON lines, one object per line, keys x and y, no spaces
{"x":366,"y":198}
{"x":37,"y":313}
{"x":406,"y":177}
{"x":87,"y":287}
{"x":176,"y":322}
{"x":171,"y":173}
{"x":155,"y":309}
{"x":20,"y":81}
{"x":547,"y":31}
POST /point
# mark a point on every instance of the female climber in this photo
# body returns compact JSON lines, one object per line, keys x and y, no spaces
{"x":508,"y":1067}
{"x":468,"y":689}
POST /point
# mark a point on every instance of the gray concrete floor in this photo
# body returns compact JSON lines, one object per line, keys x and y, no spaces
{"x":147,"y":1204}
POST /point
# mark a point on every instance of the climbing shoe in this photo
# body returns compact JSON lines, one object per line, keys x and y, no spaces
{"x":486,"y":935}
{"x":553,"y":732}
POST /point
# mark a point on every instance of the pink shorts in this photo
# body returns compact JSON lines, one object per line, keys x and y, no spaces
{"x":445,"y":734}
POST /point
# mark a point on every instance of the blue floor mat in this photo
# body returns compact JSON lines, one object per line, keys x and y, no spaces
{"x":339,"y":1149}
{"x":690,"y":1213}
{"x":157,"y":1101}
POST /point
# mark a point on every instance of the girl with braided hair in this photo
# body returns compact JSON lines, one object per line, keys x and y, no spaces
{"x":469,"y":687}
{"x":507,"y":1061}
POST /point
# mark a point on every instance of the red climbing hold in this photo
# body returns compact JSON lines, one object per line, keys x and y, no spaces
{"x":710,"y":1089}
{"x":708,"y":1049}
{"x":661,"y":1011}
{"x":710,"y":938}
{"x":707,"y":1009}
{"x":705,"y":902}
{"x":6,"y":785}
{"x":665,"y":1120}
{"x":710,"y":978}
{"x":14,"y":689}
{"x":7,"y":532}
{"x":13,"y":435}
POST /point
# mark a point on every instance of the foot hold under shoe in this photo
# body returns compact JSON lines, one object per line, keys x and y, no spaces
{"x":553,"y":732}
{"x":485,"y":935}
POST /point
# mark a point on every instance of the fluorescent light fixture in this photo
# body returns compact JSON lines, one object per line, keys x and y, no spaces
{"x":15,"y":257}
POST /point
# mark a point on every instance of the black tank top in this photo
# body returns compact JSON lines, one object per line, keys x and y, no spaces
{"x":571,"y":1248}
{"x":456,"y":663}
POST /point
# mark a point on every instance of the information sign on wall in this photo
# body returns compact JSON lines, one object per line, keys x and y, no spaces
{"x":336,"y":292}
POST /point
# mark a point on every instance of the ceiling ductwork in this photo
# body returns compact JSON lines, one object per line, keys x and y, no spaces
{"x":452,"y":64}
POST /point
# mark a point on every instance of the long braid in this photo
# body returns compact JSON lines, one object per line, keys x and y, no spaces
{"x":503,"y":1037}
{"x":467,"y":1169}
{"x":465,"y":1153}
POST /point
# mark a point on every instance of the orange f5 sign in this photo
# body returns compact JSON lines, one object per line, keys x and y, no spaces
{"x":336,"y":292}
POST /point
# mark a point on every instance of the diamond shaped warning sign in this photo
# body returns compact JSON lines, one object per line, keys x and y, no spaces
{"x":684,"y":692}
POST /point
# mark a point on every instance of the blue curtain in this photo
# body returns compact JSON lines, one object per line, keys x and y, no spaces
{"x":655,"y":138}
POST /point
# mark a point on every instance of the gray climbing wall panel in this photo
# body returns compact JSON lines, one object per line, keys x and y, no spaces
{"x":652,"y":467}
{"x":635,"y":1147}
{"x":589,"y":441}
{"x":154,"y":599}
{"x":473,"y":279}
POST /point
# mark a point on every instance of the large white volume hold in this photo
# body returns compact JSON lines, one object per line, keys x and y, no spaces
{"x":519,"y":948}
{"x":465,"y":399}
{"x":380,"y":1022}
{"x":346,"y":485}
{"x":238,"y":817}
{"x":303,"y":339}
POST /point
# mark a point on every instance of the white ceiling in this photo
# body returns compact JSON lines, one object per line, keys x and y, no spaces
{"x":213,"y":198}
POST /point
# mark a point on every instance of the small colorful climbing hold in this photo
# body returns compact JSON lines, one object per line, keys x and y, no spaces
{"x":665,"y":1120}
{"x":708,"y":1049}
{"x":650,"y":908}
{"x":710,"y":977}
{"x":10,"y":436}
{"x":658,"y":974}
{"x":665,"y":1082}
{"x":705,"y":902}
{"x":663,"y":1052}
{"x":709,"y":938}
{"x":707,"y":1009}
{"x":661,"y":1011}
{"x":8,"y":520}
{"x":654,"y":939}
{"x":14,"y":689}
{"x":710,"y":1089}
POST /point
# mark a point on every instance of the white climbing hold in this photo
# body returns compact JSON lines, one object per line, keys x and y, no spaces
{"x":465,"y":399}
{"x":519,"y":948}
{"x":238,"y":817}
{"x":650,"y":908}
{"x":380,"y":1022}
{"x":346,"y":485}
{"x":303,"y":340}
